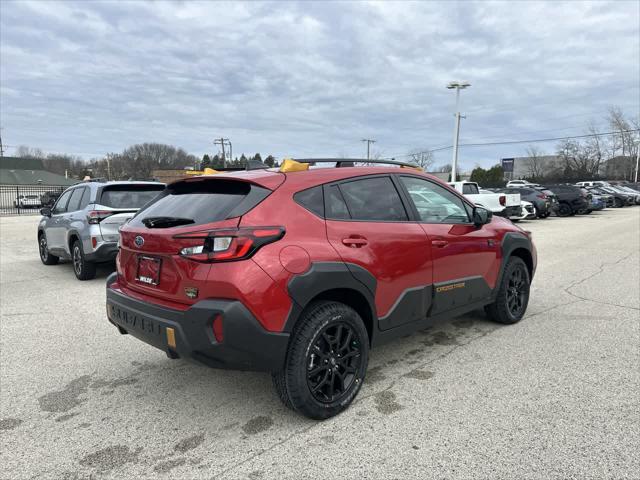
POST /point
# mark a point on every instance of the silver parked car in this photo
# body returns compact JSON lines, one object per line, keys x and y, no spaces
{"x":83,"y":225}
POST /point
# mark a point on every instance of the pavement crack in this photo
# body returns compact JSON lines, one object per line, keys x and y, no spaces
{"x":601,"y":269}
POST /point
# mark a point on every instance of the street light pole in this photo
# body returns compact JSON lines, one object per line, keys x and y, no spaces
{"x":456,"y":131}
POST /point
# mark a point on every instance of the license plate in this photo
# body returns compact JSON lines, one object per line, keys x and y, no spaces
{"x":148,"y":270}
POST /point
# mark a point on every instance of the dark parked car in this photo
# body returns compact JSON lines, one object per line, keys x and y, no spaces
{"x":622,"y":198}
{"x":601,"y":195}
{"x":571,"y":200}
{"x":540,"y":200}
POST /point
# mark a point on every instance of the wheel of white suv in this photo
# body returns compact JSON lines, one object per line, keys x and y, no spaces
{"x":45,"y":256}
{"x":326,"y":361}
{"x":83,"y":269}
{"x":512,"y":299}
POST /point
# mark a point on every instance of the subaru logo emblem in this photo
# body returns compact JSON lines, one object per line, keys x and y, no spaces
{"x":139,"y":241}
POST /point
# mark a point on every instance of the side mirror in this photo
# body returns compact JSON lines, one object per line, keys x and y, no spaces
{"x":481,"y":216}
{"x":46,"y":212}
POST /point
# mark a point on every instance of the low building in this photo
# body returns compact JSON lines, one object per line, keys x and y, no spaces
{"x":25,"y":184}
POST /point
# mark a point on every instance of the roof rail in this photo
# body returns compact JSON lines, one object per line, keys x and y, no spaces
{"x":350,"y":162}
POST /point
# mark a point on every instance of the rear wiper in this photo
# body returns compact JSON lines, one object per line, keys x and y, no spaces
{"x":166,"y":222}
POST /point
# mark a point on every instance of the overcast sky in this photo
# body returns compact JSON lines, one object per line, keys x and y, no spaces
{"x":312,"y":79}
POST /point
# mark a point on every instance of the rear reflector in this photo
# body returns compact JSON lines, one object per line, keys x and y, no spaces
{"x":503,"y":200}
{"x":218,"y":332}
{"x":171,"y":337}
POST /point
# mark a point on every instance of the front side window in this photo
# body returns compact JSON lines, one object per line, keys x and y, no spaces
{"x":335,"y":207}
{"x":373,"y":199}
{"x":61,"y":204}
{"x":435,"y":204}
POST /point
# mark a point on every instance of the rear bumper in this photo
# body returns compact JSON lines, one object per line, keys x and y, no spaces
{"x":510,"y":212}
{"x":246,"y":344}
{"x":106,"y":252}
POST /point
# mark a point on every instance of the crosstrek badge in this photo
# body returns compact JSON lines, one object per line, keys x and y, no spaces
{"x":191,"y":292}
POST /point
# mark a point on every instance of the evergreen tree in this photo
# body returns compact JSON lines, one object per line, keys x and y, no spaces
{"x":206,"y":162}
{"x":270,"y":161}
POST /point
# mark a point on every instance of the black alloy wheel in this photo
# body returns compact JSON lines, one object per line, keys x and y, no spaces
{"x":333,"y":362}
{"x":512,"y":297}
{"x":517,"y":292}
{"x":326,"y":360}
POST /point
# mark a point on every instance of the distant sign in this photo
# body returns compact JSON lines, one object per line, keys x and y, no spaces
{"x":507,"y":165}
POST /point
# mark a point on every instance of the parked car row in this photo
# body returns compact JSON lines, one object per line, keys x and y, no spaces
{"x":564,"y":199}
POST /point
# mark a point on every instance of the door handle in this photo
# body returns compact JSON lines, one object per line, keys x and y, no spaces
{"x":439,"y":243}
{"x":354,"y":242}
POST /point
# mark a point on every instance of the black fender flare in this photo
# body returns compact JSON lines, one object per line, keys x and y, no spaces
{"x":324,"y":276}
{"x":511,"y":242}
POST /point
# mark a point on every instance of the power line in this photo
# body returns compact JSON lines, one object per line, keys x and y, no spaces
{"x":514,"y":142}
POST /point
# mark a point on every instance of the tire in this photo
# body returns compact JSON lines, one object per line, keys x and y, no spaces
{"x":618,"y":203}
{"x":329,"y":338}
{"x":45,"y":256}
{"x":564,"y":210}
{"x":512,"y":299}
{"x":83,"y":269}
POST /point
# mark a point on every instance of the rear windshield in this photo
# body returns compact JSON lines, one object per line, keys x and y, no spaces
{"x":129,"y":196}
{"x":196,"y":203}
{"x":469,"y":189}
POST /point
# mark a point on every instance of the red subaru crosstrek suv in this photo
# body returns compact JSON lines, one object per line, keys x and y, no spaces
{"x":299,"y":271}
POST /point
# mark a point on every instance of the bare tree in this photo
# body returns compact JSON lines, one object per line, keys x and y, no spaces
{"x":443,"y":168}
{"x":25,"y":151}
{"x":422,"y":158}
{"x":534,"y":165}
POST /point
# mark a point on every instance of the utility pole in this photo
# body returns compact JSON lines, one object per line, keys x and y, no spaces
{"x":637,"y":157}
{"x":369,"y":142}
{"x":1,"y":149}
{"x":224,"y":142}
{"x":456,"y":131}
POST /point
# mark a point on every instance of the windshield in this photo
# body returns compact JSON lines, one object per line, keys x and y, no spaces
{"x":129,"y":196}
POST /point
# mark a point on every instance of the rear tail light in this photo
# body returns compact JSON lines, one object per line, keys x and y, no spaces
{"x":503,"y":200}
{"x":96,"y":216}
{"x":542,"y":196}
{"x":226,"y":245}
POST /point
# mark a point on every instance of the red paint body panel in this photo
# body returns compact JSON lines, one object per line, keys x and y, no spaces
{"x":397,"y":254}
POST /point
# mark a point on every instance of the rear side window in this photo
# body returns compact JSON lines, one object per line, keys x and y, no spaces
{"x":129,"y":196}
{"x":469,"y":189}
{"x":84,"y":201}
{"x":373,"y":199}
{"x":312,"y":199}
{"x":74,"y":201}
{"x":200,"y":202}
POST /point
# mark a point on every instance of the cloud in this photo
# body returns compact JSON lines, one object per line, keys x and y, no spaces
{"x":312,"y":78}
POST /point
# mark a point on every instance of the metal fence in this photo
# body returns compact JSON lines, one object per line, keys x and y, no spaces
{"x":28,"y":199}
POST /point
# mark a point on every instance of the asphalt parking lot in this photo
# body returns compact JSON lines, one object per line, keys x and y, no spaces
{"x":555,"y":396}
